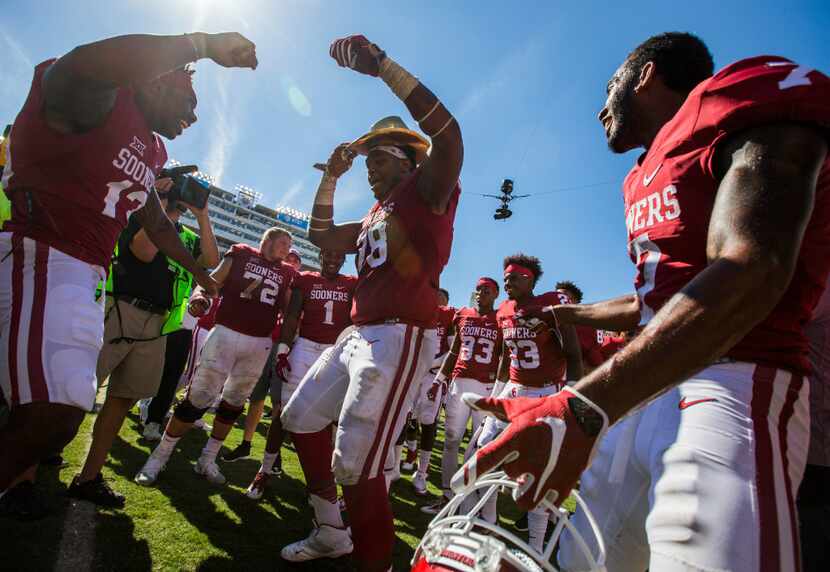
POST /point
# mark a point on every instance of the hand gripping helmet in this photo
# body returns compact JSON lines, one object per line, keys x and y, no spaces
{"x":468,"y":543}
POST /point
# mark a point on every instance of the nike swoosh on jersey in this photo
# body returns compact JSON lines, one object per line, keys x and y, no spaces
{"x":684,"y":404}
{"x":647,"y":178}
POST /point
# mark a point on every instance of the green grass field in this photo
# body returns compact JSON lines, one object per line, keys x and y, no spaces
{"x":185,"y":523}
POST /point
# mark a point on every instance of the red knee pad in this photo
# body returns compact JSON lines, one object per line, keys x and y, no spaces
{"x":227,"y":413}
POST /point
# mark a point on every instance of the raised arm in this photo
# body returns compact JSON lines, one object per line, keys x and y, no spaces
{"x":322,"y":231}
{"x":80,"y":87}
{"x":764,"y":202}
{"x":163,"y":234}
{"x":440,"y":171}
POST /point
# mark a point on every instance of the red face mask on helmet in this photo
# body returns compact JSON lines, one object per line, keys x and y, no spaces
{"x":459,"y":539}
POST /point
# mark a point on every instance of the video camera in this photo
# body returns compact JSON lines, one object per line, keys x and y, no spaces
{"x":186,"y":188}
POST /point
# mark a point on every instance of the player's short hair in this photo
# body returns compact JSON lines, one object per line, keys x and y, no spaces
{"x":569,"y":286}
{"x":275,"y":232}
{"x":530,"y":262}
{"x":681,"y":59}
{"x":444,"y":292}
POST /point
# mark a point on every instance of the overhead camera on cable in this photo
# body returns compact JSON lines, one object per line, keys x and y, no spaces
{"x":506,"y":197}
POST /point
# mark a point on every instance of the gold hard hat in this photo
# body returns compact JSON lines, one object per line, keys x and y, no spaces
{"x":394,"y":130}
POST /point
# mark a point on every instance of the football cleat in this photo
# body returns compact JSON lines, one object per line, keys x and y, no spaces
{"x":419,"y":483}
{"x":96,"y":491}
{"x":466,"y":542}
{"x":324,"y":542}
{"x":149,"y":473}
{"x":257,"y":488}
{"x":410,"y":460}
{"x":209,"y":470}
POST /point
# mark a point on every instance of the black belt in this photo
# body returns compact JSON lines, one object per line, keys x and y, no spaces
{"x":142,"y":304}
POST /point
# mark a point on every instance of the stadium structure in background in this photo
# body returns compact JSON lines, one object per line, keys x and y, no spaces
{"x":237,"y":216}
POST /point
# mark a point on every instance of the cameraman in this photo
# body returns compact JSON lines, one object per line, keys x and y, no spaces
{"x":146,"y":298}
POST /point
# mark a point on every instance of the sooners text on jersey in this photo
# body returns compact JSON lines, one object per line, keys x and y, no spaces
{"x":670,"y":192}
{"x":480,"y":337}
{"x":536,"y":359}
{"x":326,"y":305}
{"x":254,"y":292}
{"x":83,"y":187}
{"x":402,"y":248}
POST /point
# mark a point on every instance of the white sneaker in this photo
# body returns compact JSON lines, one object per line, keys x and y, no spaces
{"x":323,"y":542}
{"x":419,"y":482}
{"x":149,"y":473}
{"x":209,"y":470}
{"x":152,"y":432}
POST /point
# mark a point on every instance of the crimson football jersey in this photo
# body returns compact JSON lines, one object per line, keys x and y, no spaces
{"x":444,"y":324}
{"x":536,"y":359}
{"x":402,"y":248}
{"x":327,"y":305}
{"x":82,"y":187}
{"x":481,"y":341}
{"x":254,"y":293}
{"x":670,"y":192}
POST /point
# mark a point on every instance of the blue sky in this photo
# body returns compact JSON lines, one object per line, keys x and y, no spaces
{"x":525,"y":79}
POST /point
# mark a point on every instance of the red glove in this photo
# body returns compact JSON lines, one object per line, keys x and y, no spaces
{"x":198,"y":306}
{"x":357,"y":53}
{"x":281,"y":365}
{"x":546,"y":446}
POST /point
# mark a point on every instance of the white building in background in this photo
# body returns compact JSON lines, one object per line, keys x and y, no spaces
{"x":237,"y":217}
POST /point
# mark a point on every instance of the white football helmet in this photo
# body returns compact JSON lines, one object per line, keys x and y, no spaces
{"x":468,"y":543}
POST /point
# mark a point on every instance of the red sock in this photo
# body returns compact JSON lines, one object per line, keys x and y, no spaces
{"x":373,"y":531}
{"x":315,"y":451}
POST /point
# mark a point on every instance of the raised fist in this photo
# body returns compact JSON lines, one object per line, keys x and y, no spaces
{"x":357,"y":53}
{"x":228,"y":49}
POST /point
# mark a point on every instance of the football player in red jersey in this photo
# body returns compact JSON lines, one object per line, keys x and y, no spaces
{"x":590,"y":339}
{"x":254,"y":289}
{"x":85,"y":153}
{"x":265,"y":385}
{"x":728,"y":211}
{"x":370,"y":378}
{"x":318,"y":311}
{"x":470,"y":366}
{"x":535,"y":362}
{"x":431,"y":395}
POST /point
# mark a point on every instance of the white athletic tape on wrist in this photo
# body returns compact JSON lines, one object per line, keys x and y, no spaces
{"x":400,"y":81}
{"x":283,"y":348}
{"x":325,"y":192}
